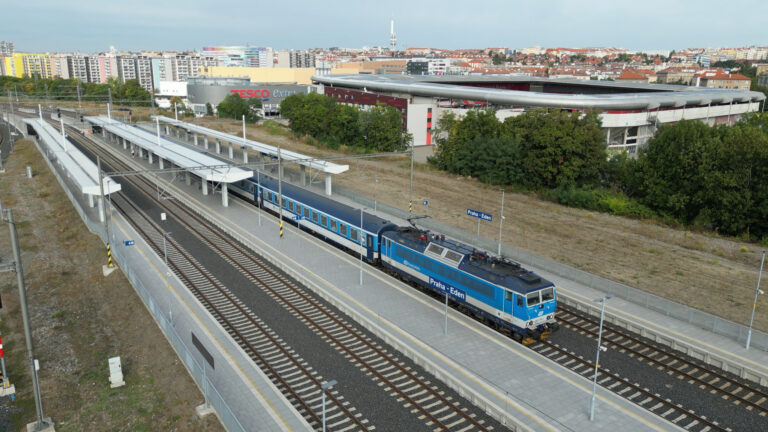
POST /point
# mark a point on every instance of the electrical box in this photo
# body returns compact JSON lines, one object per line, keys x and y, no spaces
{"x":115,"y":373}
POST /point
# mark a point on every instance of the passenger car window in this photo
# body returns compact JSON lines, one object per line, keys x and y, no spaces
{"x":353,"y":234}
{"x":343,"y":230}
{"x":324,"y":220}
{"x":333,"y":225}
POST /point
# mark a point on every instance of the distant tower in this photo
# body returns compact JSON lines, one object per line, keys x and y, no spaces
{"x":392,"y":37}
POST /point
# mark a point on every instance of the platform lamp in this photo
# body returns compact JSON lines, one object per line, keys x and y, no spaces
{"x":754,"y":302}
{"x":325,"y":388}
{"x":602,"y":300}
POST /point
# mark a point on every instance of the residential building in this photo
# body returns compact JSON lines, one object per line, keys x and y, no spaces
{"x":762,"y":81}
{"x":718,"y":79}
{"x":676,"y":75}
{"x":302,"y":59}
{"x":417,"y":67}
{"x":6,"y":48}
{"x":632,"y":76}
{"x":78,"y":66}
{"x":144,"y":72}
{"x":126,"y":67}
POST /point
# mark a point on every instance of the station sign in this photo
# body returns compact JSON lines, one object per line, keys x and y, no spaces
{"x":297,"y":217}
{"x":480,"y":215}
{"x":448,"y":289}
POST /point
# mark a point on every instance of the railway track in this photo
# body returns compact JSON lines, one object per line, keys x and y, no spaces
{"x":740,"y":392}
{"x":410,"y":388}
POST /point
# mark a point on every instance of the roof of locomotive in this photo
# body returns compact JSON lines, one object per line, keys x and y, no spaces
{"x":494,"y":269}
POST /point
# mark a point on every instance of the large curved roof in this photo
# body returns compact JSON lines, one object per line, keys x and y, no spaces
{"x":635,"y":96}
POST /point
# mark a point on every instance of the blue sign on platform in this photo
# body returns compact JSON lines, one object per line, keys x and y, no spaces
{"x":425,"y":202}
{"x":130,"y":242}
{"x":480,"y":215}
{"x":297,"y":217}
{"x":448,"y":289}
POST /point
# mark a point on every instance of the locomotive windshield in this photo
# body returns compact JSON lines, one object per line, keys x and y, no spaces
{"x":547,"y":294}
{"x":532,"y":298}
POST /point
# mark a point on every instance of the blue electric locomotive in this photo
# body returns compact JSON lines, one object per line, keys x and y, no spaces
{"x":496,"y":290}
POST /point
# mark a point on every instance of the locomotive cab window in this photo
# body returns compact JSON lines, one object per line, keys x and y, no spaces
{"x":509,"y":295}
{"x":533,"y":298}
{"x":547,"y":294}
{"x":519,"y":300}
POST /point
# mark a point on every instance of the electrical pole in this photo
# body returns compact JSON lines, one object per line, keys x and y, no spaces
{"x":103,"y":203}
{"x":8,"y":217}
{"x":410,"y":199}
{"x":501,"y":220}
{"x":280,"y":188}
{"x":79,"y":106}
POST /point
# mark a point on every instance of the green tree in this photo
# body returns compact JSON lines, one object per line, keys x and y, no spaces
{"x":235,"y":107}
{"x":675,"y":167}
{"x":559,"y":146}
{"x":382,"y":129}
{"x":344,"y":125}
{"x":208,"y":109}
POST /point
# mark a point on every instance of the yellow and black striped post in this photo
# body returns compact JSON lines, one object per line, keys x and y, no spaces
{"x":109,"y":257}
{"x":281,"y":229}
{"x":410,"y":207}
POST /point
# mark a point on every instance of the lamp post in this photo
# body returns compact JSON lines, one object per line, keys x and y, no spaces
{"x":325,"y":387}
{"x":602,"y":300}
{"x":362,"y":237}
{"x":167,"y":282}
{"x":754,"y":302}
{"x":501,"y":220}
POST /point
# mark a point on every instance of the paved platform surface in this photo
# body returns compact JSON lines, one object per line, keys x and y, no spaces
{"x":508,"y":377}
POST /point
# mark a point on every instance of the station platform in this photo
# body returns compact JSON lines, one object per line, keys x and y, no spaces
{"x":504,"y":378}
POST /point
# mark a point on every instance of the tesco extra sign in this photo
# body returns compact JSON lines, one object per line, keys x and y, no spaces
{"x":252,"y":93}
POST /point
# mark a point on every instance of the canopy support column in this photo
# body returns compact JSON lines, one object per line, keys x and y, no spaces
{"x":160,"y":160}
{"x":195,"y":139}
{"x":188,"y":177}
{"x":205,"y":141}
{"x":204,"y":183}
{"x":224,"y":195}
{"x":149,"y":154}
{"x":328,"y":184}
{"x":245,"y":154}
{"x":101,"y":209}
{"x":303,"y":175}
{"x":218,"y":146}
{"x":231,"y":150}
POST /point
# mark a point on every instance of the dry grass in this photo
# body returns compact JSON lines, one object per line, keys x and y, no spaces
{"x":702,"y":270}
{"x":80,"y":318}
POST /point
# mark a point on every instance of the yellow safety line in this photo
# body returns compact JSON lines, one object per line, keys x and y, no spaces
{"x":410,"y":293}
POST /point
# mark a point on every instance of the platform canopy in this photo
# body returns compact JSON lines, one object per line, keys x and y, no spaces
{"x":83,"y":172}
{"x":198,"y":163}
{"x":285,"y":155}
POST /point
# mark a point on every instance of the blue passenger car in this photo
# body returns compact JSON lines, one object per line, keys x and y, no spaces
{"x":337,"y":222}
{"x":495,"y":289}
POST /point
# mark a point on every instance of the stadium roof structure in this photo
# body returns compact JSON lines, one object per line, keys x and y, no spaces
{"x":198,"y":163}
{"x":583,"y":94}
{"x":81,"y":170}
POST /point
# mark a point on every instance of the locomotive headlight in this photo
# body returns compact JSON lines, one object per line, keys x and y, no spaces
{"x":530,"y":323}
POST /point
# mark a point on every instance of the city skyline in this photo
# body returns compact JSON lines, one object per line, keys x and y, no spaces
{"x":174,"y":25}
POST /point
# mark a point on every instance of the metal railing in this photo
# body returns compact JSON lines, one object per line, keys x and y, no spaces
{"x":196,"y":370}
{"x":670,"y":308}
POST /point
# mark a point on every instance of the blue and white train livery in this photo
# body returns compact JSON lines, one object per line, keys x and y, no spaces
{"x":498,"y":291}
{"x":495,"y":289}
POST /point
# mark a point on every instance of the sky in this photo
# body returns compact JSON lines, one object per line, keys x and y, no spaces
{"x":94,"y":25}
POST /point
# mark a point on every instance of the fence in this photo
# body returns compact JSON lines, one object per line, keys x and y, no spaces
{"x":676,"y":310}
{"x":196,"y":370}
